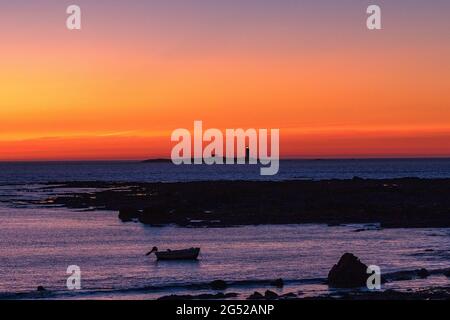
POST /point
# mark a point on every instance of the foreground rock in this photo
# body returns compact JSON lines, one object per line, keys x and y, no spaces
{"x":349,"y":272}
{"x":270,"y":295}
{"x":218,"y":296}
{"x":439,"y":293}
{"x":256,"y":296}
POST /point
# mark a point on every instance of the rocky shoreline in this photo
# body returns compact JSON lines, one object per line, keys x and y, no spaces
{"x":406,"y":203}
{"x":439,"y":293}
{"x":348,"y":279}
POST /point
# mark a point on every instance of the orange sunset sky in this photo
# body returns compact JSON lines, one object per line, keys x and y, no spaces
{"x":140,"y":69}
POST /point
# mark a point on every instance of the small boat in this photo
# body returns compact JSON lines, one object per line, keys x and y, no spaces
{"x":186,"y":254}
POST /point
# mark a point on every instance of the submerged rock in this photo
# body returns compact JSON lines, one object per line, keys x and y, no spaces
{"x":279,"y":283}
{"x":349,"y":272}
{"x":423,"y":273}
{"x":218,"y":285}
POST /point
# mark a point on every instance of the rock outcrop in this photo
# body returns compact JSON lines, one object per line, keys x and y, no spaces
{"x":127,"y":214}
{"x":255,"y":296}
{"x":349,"y":272}
{"x":390,"y":202}
{"x":270,"y":295}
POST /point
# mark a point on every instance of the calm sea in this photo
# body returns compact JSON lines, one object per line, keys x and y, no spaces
{"x":11,"y":173}
{"x":38,"y":244}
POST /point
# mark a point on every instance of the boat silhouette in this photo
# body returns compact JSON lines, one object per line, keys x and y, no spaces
{"x":185,"y":254}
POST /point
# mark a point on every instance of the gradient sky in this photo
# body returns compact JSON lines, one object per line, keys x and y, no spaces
{"x":140,"y":69}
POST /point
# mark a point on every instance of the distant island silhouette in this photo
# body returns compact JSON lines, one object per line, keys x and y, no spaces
{"x":165,"y":160}
{"x":247,"y":159}
{"x":158,"y":160}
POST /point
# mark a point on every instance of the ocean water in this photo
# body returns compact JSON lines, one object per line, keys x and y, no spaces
{"x":11,"y":173}
{"x":38,"y":244}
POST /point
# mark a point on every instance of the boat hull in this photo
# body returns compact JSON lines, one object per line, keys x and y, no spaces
{"x":188,"y":254}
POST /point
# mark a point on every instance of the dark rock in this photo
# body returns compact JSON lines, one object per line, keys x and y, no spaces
{"x":41,"y":289}
{"x":423,"y":273}
{"x":216,"y":296}
{"x":206,"y":296}
{"x":177,"y":297}
{"x":402,"y":276}
{"x":128,"y":214}
{"x":447,"y":273}
{"x":218,"y":285}
{"x":279,"y":283}
{"x":435,"y":293}
{"x":294,"y":202}
{"x":158,"y":160}
{"x":270,"y":295}
{"x":158,"y":214}
{"x":255,"y":296}
{"x":289,"y":295}
{"x":349,"y":272}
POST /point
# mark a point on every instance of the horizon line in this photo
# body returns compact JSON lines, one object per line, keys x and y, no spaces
{"x":156,"y":159}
